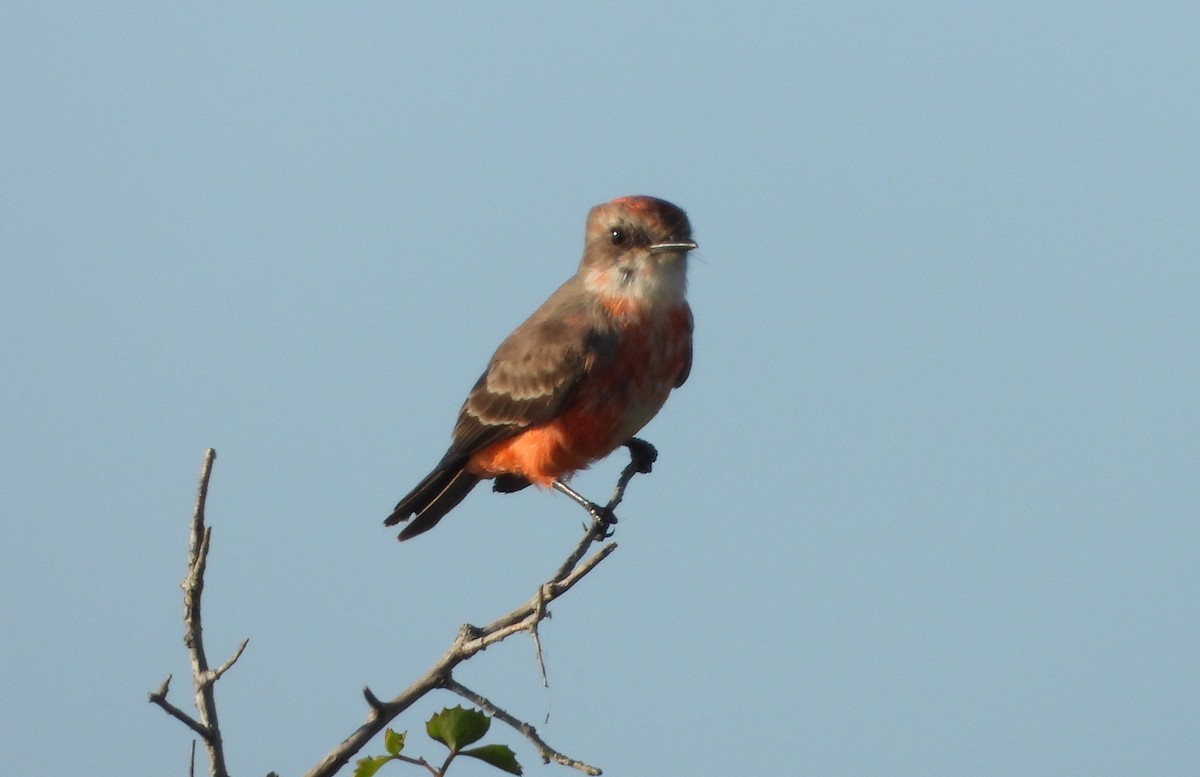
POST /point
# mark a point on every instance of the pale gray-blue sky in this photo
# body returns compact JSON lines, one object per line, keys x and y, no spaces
{"x":927,"y":506}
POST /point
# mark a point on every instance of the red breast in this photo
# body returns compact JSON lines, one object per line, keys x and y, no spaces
{"x":610,"y":404}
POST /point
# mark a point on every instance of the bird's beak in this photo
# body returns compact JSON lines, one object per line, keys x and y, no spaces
{"x":680,"y":245}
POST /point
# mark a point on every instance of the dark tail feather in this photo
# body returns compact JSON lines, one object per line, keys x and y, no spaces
{"x":439,"y":493}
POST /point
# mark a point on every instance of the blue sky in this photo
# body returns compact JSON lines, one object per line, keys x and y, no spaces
{"x":927,"y":505}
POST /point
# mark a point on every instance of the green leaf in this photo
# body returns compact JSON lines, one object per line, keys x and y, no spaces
{"x":366,"y":767}
{"x":456,"y":727}
{"x":393,"y":742}
{"x":498,"y":756}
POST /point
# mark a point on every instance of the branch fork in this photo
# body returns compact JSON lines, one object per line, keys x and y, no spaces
{"x":469,"y":641}
{"x":204,"y":679}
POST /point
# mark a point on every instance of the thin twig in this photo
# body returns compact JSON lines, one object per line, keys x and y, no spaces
{"x":539,"y":614}
{"x":215,"y":674}
{"x":418,"y":762}
{"x":546,"y":752}
{"x":159,"y":697}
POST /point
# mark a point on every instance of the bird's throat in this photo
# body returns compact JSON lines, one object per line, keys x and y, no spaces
{"x":639,"y":286}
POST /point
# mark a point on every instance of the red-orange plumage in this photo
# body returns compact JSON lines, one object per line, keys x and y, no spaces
{"x":584,"y":373}
{"x":606,"y":409}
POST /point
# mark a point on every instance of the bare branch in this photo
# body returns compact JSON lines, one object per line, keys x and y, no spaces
{"x":215,"y":674}
{"x":537,"y":653}
{"x":547,"y":753}
{"x":549,"y":591}
{"x":159,"y":697}
{"x":471,"y":640}
{"x":203,"y":678}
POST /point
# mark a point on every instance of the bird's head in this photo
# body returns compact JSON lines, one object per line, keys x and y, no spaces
{"x":636,"y":248}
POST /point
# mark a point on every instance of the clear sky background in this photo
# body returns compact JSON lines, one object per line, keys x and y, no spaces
{"x":927,"y":506}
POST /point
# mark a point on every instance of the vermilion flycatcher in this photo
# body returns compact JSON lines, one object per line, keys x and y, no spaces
{"x":583,"y":374}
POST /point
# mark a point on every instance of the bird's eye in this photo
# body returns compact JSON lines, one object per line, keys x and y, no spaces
{"x":617,"y":236}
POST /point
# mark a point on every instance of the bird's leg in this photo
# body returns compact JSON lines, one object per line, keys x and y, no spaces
{"x":600,"y":514}
{"x":642,"y":456}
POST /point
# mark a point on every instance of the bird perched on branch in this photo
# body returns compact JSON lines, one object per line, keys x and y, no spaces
{"x":583,"y":374}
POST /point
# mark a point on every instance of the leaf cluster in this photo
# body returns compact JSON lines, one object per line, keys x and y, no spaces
{"x":455,"y":727}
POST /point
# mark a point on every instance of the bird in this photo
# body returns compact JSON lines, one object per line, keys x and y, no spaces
{"x":583,"y":374}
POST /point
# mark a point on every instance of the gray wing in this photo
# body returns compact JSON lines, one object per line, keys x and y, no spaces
{"x":533,"y":372}
{"x":687,"y":364}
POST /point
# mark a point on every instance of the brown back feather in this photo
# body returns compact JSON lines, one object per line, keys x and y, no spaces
{"x":533,"y":372}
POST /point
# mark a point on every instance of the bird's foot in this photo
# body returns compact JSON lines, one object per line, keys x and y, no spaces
{"x":604,"y":521}
{"x":642,"y":454}
{"x":602,"y":517}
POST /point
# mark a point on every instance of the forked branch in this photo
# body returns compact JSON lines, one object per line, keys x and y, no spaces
{"x":470,"y":639}
{"x":204,"y":679}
